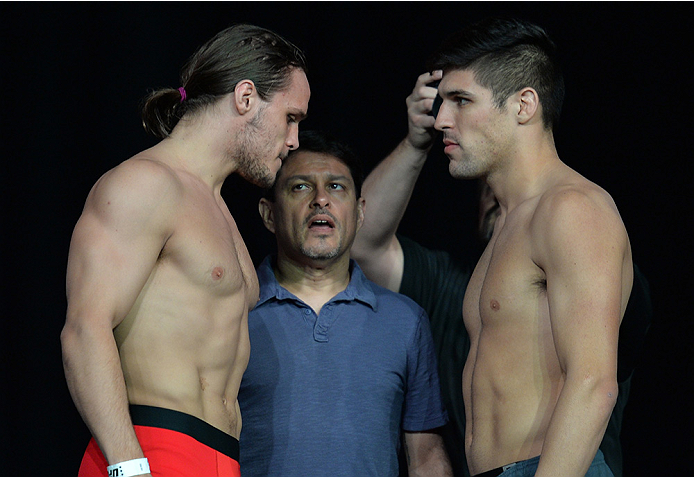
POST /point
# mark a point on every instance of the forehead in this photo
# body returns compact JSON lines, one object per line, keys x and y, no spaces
{"x":295,"y":97}
{"x":312,"y":164}
{"x":461,"y":81}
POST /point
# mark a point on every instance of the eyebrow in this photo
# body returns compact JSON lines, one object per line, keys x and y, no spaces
{"x":299,"y":114}
{"x":458,"y":92}
{"x":331,"y":177}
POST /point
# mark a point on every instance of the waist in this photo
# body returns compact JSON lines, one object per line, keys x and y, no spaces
{"x":528,"y":467}
{"x":497,"y":440}
{"x":151,"y":416}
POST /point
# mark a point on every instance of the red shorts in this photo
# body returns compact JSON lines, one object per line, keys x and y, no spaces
{"x":175,"y":444}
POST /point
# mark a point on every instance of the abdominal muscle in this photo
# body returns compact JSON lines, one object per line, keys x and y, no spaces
{"x":186,"y":350}
{"x":514,"y":386}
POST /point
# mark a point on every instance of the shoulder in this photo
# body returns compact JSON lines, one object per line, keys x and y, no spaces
{"x":395,"y":304}
{"x":575,"y":216}
{"x":137,"y":184}
{"x":573,"y":207}
{"x":575,"y":195}
{"x":140,"y":197}
{"x":399,"y":318}
{"x":141,"y":176}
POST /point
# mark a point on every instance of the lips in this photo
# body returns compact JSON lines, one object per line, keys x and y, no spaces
{"x":321,"y":220}
{"x":449,"y":146}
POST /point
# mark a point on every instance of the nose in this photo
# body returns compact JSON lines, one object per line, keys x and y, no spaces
{"x":321,"y":199}
{"x":292,"y":141}
{"x":443,"y":119}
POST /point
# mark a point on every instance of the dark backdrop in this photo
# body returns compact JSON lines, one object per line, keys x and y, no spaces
{"x":73,"y":74}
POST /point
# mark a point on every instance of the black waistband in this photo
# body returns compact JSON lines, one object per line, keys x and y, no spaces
{"x":198,"y":429}
{"x":495,"y":472}
{"x":491,"y":473}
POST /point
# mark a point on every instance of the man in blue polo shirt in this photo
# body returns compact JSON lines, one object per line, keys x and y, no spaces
{"x":339,"y":366}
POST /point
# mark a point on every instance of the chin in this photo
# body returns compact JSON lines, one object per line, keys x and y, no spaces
{"x":262,"y":177}
{"x":456,"y":173}
{"x":264,"y":182}
{"x":463,"y":171}
{"x":320,"y":254}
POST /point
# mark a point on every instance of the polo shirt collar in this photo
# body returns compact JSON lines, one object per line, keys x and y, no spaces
{"x":359,"y":287}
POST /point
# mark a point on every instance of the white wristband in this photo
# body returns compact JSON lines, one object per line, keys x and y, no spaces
{"x":129,"y":468}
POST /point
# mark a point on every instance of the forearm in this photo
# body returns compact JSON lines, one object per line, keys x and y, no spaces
{"x":96,"y":383}
{"x":426,"y":455}
{"x":389,"y":186}
{"x":436,"y":465}
{"x":387,"y":191}
{"x":577,"y":427}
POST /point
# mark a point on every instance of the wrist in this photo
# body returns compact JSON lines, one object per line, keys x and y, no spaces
{"x":129,"y":468}
{"x":420,"y":147}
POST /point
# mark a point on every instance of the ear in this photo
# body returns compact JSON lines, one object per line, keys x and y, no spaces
{"x":361,"y":208}
{"x":266,"y":213}
{"x":245,"y":95}
{"x":528,"y":105}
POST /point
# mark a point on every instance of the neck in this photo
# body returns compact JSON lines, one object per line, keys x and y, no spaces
{"x":525,"y":175}
{"x":314,"y":282}
{"x":200,"y":145}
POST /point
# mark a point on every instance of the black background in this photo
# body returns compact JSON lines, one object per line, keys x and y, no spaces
{"x":72,"y":77}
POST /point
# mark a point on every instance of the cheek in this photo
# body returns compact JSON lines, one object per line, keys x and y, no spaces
{"x":273,"y":130}
{"x":279,"y":137}
{"x":476,"y":122}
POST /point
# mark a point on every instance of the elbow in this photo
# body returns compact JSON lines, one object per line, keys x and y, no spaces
{"x":68,"y":342}
{"x":365,"y":253}
{"x":606,"y":394}
{"x":67,"y":336}
{"x":74,"y":339}
{"x":609,"y":385}
{"x":359,"y":249}
{"x":602,"y":392}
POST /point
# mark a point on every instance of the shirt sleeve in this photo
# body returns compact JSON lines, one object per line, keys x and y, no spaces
{"x":423,"y":408}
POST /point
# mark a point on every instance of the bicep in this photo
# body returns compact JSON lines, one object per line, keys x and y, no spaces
{"x":582,"y":250}
{"x":105,"y":272}
{"x":114,"y":248}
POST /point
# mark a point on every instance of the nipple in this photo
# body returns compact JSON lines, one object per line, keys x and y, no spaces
{"x":495,"y":305}
{"x":217,"y":273}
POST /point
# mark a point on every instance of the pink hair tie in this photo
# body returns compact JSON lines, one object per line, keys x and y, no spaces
{"x":182,"y":90}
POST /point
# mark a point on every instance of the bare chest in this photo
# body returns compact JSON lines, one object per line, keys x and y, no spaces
{"x":507,"y":289}
{"x":207,"y":250}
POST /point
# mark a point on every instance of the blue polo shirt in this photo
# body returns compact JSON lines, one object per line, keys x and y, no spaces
{"x":327,"y":394}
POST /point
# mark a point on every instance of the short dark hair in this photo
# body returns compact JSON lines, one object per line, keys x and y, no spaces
{"x":326,"y":143}
{"x":234,"y":54}
{"x":505,"y":57}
